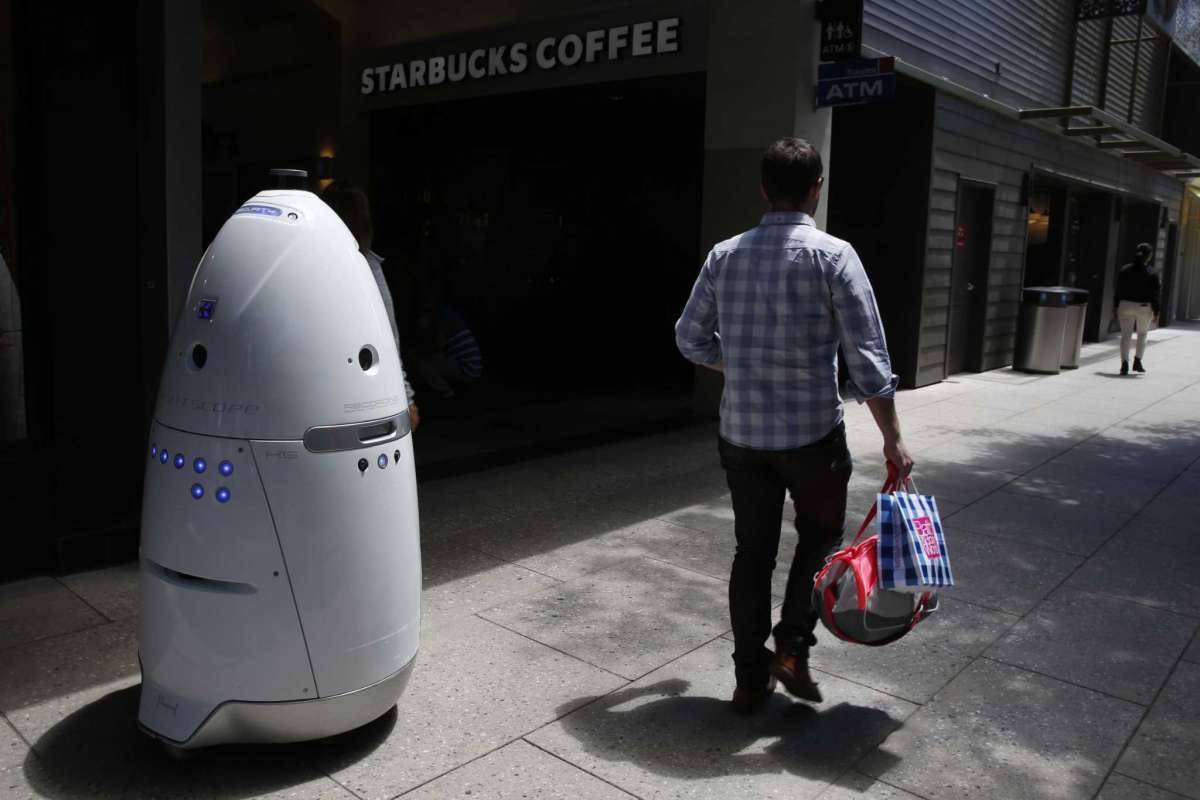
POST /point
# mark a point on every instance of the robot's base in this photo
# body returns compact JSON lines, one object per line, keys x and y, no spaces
{"x":296,"y":721}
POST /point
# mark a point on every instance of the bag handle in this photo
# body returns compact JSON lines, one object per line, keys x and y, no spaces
{"x":889,"y":485}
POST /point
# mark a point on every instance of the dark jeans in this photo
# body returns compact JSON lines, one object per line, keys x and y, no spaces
{"x":816,"y":477}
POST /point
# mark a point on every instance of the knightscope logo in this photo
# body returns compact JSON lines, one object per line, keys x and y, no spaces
{"x":653,"y":37}
{"x":212,"y":406}
{"x":367,"y":405}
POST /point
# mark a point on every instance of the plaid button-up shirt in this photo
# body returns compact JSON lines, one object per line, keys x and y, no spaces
{"x":773,"y":304}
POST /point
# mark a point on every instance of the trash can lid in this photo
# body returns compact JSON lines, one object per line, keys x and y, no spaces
{"x":1047,"y":295}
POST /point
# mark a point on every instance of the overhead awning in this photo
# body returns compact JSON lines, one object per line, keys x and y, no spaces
{"x":1085,"y":124}
{"x":1109,"y":132}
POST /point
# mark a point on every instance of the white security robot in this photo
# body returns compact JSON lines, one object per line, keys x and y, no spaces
{"x":280,"y":552}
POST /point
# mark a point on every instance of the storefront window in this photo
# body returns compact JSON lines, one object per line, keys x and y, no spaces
{"x":12,"y":376}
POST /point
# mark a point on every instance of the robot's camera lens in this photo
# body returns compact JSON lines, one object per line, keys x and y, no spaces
{"x":366,"y":359}
{"x":396,"y":457}
{"x":199,"y":356}
{"x":362,"y":465}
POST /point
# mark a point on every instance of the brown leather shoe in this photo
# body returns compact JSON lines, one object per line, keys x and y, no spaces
{"x":792,"y":672}
{"x":746,"y":700}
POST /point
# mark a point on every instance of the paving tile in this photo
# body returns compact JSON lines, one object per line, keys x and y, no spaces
{"x":475,"y":687}
{"x":714,"y":516}
{"x":996,"y":451}
{"x":925,"y":660}
{"x":956,"y":482}
{"x":605,"y":619}
{"x":1100,"y":642}
{"x":444,"y":514}
{"x":1119,"y":491}
{"x":1143,"y":573}
{"x":664,"y":497}
{"x":1179,"y":534}
{"x":460,"y":580}
{"x":969,"y":410}
{"x":97,"y":751}
{"x":856,"y":786}
{"x":1115,"y":457}
{"x":43,"y":683}
{"x":672,"y":734}
{"x":38,"y":608}
{"x":75,"y":778}
{"x":711,"y":552}
{"x":1163,"y":751}
{"x":1185,"y":490}
{"x":228,"y":773}
{"x":114,"y":591}
{"x":1001,"y":573}
{"x":1064,"y":523}
{"x":1000,"y":732}
{"x":565,"y":542}
{"x":13,"y":752}
{"x":1119,"y":787}
{"x":518,"y":771}
{"x":1193,"y":652}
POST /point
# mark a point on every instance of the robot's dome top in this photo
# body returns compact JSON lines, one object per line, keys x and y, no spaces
{"x":283,"y":329}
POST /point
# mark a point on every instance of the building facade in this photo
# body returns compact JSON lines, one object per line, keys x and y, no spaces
{"x":545,"y":179}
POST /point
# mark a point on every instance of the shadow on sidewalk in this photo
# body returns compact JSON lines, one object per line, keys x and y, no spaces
{"x":98,"y":751}
{"x":668,"y":733}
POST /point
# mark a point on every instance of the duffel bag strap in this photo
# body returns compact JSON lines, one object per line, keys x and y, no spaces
{"x":889,"y":485}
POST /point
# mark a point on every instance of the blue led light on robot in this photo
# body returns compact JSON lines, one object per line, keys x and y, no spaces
{"x":226,"y":468}
{"x":222,"y":495}
{"x":179,"y":461}
{"x":164,"y":456}
{"x":382,"y":461}
{"x":153,"y":450}
{"x":199,"y":465}
{"x":197,"y":491}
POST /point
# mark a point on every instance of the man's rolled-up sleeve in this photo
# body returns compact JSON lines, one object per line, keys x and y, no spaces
{"x":860,"y":329}
{"x":696,"y":333}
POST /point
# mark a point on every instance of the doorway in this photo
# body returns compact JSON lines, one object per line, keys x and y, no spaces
{"x":557,"y":234}
{"x":1086,"y":253}
{"x":1170,"y":261}
{"x":968,"y":282}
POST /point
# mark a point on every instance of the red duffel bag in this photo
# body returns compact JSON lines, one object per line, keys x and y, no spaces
{"x":847,"y":595}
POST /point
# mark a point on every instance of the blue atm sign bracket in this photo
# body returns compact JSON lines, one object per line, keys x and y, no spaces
{"x":857,"y":81}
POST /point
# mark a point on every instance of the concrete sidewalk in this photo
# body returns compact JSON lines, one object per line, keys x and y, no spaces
{"x":575,"y":633}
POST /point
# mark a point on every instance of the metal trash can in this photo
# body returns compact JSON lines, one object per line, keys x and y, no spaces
{"x":1041,"y":328}
{"x":1077,"y":304}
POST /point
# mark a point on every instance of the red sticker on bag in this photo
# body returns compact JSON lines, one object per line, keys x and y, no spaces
{"x":928,"y":536}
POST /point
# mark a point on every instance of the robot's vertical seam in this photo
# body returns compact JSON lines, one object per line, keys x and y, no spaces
{"x":286,"y":570}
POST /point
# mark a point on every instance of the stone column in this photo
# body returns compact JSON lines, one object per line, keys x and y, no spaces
{"x":169,"y":169}
{"x":762,"y":74}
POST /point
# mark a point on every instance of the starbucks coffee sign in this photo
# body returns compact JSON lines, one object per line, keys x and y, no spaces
{"x":649,"y":38}
{"x":663,"y":39}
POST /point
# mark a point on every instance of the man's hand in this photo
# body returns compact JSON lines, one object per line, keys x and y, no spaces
{"x":883,"y":409}
{"x":414,"y":417}
{"x":897,"y":455}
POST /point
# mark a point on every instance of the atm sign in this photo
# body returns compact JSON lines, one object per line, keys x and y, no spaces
{"x":856,"y":81}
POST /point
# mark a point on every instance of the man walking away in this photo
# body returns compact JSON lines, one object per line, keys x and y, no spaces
{"x":770,"y":309}
{"x":1136,"y":304}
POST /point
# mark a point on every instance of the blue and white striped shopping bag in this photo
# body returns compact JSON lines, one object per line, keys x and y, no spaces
{"x":897,"y":569}
{"x":926,"y":539}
